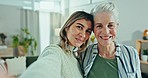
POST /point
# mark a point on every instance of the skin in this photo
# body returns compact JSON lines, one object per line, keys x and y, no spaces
{"x":3,"y":74}
{"x":105,"y":31}
{"x":79,"y":32}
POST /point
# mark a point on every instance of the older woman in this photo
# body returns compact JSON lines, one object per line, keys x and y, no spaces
{"x":58,"y":60}
{"x":108,"y":58}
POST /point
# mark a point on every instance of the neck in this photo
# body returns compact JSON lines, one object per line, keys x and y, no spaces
{"x":107,"y":51}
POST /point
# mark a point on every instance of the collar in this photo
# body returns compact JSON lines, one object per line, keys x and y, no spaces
{"x":71,"y":48}
{"x":118,"y":49}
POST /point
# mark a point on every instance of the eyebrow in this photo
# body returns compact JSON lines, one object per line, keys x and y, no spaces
{"x":83,"y":26}
{"x":80,"y":24}
{"x":98,"y":24}
{"x":108,"y":23}
{"x":111,"y":22}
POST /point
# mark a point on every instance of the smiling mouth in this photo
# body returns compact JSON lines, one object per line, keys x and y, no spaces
{"x":79,"y":40}
{"x":105,"y":37}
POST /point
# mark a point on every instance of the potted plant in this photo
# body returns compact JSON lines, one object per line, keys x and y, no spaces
{"x":24,"y":41}
{"x":2,"y":38}
{"x":144,"y":56}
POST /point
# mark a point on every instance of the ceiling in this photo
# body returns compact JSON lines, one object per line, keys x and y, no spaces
{"x":22,"y":3}
{"x":26,"y":4}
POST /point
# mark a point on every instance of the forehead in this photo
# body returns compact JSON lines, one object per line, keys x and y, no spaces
{"x":104,"y":17}
{"x":83,"y":22}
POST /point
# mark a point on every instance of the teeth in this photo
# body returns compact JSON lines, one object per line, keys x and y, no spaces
{"x":105,"y":37}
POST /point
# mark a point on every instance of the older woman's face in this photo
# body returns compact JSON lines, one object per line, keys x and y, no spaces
{"x":79,"y":32}
{"x":105,"y":28}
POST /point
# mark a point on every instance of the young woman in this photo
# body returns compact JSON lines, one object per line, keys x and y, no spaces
{"x":58,"y":60}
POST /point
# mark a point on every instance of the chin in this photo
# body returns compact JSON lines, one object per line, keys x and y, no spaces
{"x":78,"y":45}
{"x":104,"y":43}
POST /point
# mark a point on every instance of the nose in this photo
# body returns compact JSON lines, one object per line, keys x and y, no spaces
{"x":106,"y":30}
{"x":83,"y":34}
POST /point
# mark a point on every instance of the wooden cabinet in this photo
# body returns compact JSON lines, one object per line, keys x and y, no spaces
{"x":139,"y":48}
{"x":6,"y":52}
{"x":143,"y":64}
{"x":139,"y":45}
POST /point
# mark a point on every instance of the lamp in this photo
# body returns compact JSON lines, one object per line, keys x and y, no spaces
{"x":145,"y":35}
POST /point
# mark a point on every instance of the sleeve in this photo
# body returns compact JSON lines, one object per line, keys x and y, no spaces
{"x":138,"y":73}
{"x":47,"y":66}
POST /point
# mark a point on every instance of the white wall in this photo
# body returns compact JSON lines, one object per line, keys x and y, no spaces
{"x":9,"y":21}
{"x":13,"y":18}
{"x":44,"y":29}
{"x":133,"y":18}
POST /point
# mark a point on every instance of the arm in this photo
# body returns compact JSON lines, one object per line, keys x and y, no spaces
{"x":47,"y":66}
{"x":138,"y":70}
{"x":3,"y":71}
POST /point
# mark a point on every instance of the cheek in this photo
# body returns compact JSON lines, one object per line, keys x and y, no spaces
{"x":87,"y":36}
{"x":70,"y":32}
{"x":69,"y":35}
{"x":114,"y":32}
{"x":97,"y":32}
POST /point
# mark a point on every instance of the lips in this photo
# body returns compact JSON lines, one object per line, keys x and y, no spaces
{"x":105,"y":37}
{"x":80,"y":40}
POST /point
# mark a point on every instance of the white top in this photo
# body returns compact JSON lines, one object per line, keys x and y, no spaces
{"x":54,"y":63}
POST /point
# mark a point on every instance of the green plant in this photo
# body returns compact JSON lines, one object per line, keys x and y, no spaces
{"x":2,"y":38}
{"x":145,"y":51}
{"x":26,"y":40}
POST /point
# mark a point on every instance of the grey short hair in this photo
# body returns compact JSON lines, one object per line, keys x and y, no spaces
{"x":105,"y":6}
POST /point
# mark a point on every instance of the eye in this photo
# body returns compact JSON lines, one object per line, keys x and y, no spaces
{"x":80,"y":27}
{"x":89,"y":31}
{"x":111,"y":26}
{"x":99,"y":26}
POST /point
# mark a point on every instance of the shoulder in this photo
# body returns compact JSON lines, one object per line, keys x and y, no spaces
{"x":88,"y":49}
{"x":51,"y":49}
{"x":128,"y":50}
{"x":49,"y":58}
{"x":90,"y":52}
{"x":92,"y":47}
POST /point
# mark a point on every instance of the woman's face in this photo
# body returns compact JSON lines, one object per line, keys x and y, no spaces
{"x":105,"y":28}
{"x":79,"y":32}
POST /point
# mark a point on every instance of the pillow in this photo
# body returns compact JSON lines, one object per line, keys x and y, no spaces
{"x":16,"y":66}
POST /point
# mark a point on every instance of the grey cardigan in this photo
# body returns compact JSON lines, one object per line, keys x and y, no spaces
{"x":127,"y":60}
